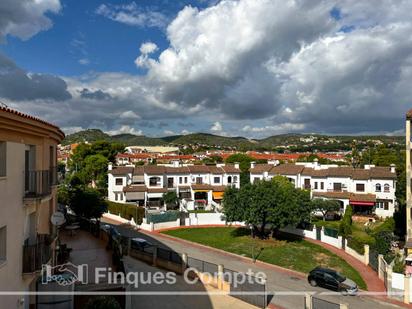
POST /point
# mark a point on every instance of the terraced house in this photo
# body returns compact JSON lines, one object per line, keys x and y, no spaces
{"x":28,"y":185}
{"x":198,"y":186}
{"x":370,"y":191}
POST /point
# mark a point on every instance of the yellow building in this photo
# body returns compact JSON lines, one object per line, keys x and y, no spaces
{"x":28,"y":184}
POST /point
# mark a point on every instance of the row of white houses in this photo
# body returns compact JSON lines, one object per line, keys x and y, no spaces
{"x":370,"y":190}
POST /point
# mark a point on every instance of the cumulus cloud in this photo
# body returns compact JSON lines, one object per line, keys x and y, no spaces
{"x":17,"y":84}
{"x":133,"y":15}
{"x":216,"y":127}
{"x":265,"y":66}
{"x":125,"y":130}
{"x":25,"y":18}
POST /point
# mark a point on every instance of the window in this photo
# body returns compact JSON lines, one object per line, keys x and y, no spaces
{"x":229,"y":179}
{"x":216,"y":180}
{"x":322,"y":185}
{"x":306,"y":183}
{"x":180,"y":180}
{"x":154,"y":181}
{"x":235,"y":179}
{"x":378,"y":187}
{"x":316,"y":185}
{"x":115,"y":196}
{"x":185,"y":179}
{"x":386,"y":187}
{"x":119,"y":181}
{"x":386,"y":205}
{"x":199,"y":180}
{"x":3,"y":244}
{"x":337,"y":186}
{"x":3,"y":166}
{"x":360,"y":187}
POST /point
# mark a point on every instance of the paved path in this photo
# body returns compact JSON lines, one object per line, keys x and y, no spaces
{"x":279,"y":280}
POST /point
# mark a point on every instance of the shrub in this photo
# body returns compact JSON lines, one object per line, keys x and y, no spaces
{"x":399,"y":265}
{"x":127,"y":211}
{"x":356,"y":245}
{"x":345,"y":227}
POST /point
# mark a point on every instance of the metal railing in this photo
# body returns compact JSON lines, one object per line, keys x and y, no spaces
{"x":35,"y":256}
{"x":39,"y":182}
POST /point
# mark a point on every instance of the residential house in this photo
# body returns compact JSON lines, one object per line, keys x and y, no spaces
{"x":198,"y":186}
{"x":370,"y":190}
{"x":28,"y":179}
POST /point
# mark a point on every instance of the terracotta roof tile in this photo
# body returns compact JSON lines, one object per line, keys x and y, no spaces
{"x":122,"y":170}
{"x":156,"y":190}
{"x":260,"y":168}
{"x":198,"y":168}
{"x":287,"y":169}
{"x":201,"y":187}
{"x":230,"y":168}
{"x":154,"y":169}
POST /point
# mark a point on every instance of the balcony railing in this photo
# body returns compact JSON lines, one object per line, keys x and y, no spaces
{"x":38,"y":183}
{"x":35,"y":256}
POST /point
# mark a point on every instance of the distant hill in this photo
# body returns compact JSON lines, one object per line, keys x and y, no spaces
{"x":298,"y":142}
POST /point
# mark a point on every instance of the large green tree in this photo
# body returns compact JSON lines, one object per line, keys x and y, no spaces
{"x":267,"y":205}
{"x":86,"y":202}
{"x":171,"y":199}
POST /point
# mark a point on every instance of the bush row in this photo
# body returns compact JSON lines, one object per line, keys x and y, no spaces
{"x":127,"y":211}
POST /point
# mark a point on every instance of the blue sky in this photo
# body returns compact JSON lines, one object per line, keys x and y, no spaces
{"x":78,"y":32}
{"x":235,"y":67}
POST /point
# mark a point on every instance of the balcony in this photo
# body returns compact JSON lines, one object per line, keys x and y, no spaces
{"x":35,"y":256}
{"x":39,"y":183}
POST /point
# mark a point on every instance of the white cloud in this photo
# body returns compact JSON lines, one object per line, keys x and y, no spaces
{"x":216,"y":127}
{"x":23,"y":19}
{"x":129,"y":115}
{"x":133,"y":15}
{"x":84,"y":61}
{"x":274,"y":129}
{"x":148,"y":48}
{"x":125,"y":130}
{"x":71,"y":130}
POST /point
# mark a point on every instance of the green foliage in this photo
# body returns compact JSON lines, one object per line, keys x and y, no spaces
{"x":325,"y":205}
{"x":243,"y":160}
{"x":276,"y":203}
{"x":345,"y":227}
{"x":127,"y":211}
{"x":102,"y":302}
{"x":356,"y":245}
{"x":171,"y":199}
{"x":383,"y":241}
{"x":399,"y":265}
{"x":171,"y":215}
{"x":86,"y":202}
{"x":212,"y":160}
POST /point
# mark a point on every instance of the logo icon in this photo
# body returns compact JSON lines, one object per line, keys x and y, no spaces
{"x":65,"y":274}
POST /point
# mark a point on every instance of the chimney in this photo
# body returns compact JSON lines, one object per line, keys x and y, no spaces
{"x":316,"y":162}
{"x":175,"y":163}
{"x":252,"y":164}
{"x":110,"y":166}
{"x":393,"y":168}
{"x":236,"y":164}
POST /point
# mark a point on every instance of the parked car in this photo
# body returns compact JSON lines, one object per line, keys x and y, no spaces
{"x":332,"y":280}
{"x":140,"y":243}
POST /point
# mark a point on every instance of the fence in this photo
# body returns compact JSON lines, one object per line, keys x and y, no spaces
{"x":312,"y":302}
{"x":202,"y":266}
{"x":252,"y":290}
{"x":162,"y":217}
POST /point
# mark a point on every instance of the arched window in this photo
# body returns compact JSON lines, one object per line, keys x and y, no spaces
{"x":378,"y":187}
{"x":229,"y":179}
{"x":386,"y":187}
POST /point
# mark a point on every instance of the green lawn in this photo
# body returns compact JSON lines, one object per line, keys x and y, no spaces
{"x":290,"y":253}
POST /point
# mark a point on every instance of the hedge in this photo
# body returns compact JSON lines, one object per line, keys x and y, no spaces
{"x":127,"y":211}
{"x":356,"y":245}
{"x":171,"y":215}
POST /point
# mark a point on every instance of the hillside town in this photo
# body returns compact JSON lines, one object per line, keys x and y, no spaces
{"x":209,"y":154}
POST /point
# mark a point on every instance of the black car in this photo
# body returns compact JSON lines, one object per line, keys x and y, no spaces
{"x":331,"y":279}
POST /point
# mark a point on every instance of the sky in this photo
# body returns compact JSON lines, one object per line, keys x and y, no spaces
{"x":252,"y":68}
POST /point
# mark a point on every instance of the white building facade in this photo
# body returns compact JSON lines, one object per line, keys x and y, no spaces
{"x":198,"y":186}
{"x":370,"y":191}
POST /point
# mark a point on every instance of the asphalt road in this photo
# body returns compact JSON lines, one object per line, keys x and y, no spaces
{"x":278,"y":282}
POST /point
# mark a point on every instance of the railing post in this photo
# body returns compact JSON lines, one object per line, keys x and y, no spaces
{"x":406,"y":289}
{"x":220,"y":278}
{"x":184,"y":262}
{"x":380,"y":266}
{"x":308,"y":301}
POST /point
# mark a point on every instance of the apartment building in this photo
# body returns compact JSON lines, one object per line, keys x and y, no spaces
{"x":408,"y":236}
{"x":28,"y":178}
{"x":198,"y":186}
{"x":370,"y":190}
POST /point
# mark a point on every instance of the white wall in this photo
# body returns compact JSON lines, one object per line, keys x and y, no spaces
{"x":398,"y":281}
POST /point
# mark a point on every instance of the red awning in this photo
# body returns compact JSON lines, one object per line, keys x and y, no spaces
{"x":362,"y":203}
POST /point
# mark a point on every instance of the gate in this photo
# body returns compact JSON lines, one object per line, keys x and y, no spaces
{"x":252,"y":290}
{"x":183,"y":216}
{"x":373,"y":259}
{"x":318,"y":232}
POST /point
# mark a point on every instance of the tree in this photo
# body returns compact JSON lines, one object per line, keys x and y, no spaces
{"x":345,"y":226}
{"x":94,"y":167}
{"x":325,"y":206}
{"x":171,"y":199}
{"x":86,"y":202}
{"x":275,"y":204}
{"x":244,"y":165}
